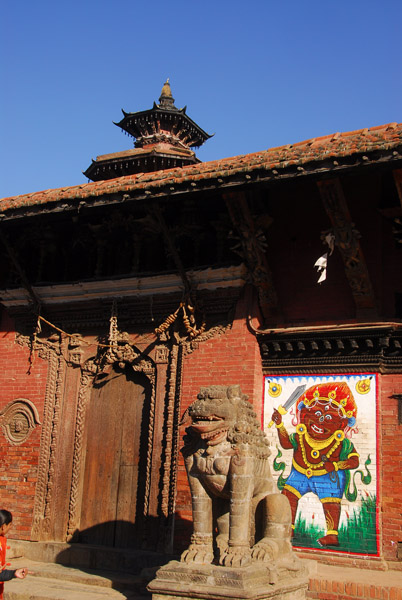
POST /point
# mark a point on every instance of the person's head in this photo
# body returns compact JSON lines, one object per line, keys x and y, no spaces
{"x":6,"y":519}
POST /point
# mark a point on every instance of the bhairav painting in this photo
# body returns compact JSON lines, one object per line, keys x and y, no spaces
{"x":322,"y":431}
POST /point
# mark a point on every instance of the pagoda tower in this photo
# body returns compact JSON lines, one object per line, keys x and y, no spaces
{"x":163,"y":138}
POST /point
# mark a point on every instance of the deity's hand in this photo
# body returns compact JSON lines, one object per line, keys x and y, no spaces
{"x":276,"y":417}
{"x":328,"y":465}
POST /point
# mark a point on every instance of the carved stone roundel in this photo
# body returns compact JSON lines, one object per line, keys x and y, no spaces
{"x":18,"y":419}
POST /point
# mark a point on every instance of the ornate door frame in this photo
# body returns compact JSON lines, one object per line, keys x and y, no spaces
{"x":89,"y":370}
{"x":70,"y":369}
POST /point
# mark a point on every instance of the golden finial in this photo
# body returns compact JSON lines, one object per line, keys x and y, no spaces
{"x":166,"y":91}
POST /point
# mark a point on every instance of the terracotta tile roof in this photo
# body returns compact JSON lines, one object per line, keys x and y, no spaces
{"x":273,"y":161}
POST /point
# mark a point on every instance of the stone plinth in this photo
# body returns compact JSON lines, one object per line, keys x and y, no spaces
{"x":182,"y":581}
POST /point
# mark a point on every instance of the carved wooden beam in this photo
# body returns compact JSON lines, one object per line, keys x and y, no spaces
{"x":347,"y":240}
{"x":395,"y":213}
{"x":363,"y":348}
{"x":398,"y":183}
{"x":252,"y":249}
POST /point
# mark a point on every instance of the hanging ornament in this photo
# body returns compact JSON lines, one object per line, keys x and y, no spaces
{"x":322,"y":262}
{"x":321,"y":266}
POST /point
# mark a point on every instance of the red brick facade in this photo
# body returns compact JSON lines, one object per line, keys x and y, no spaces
{"x":19,"y":462}
{"x":390,"y":465}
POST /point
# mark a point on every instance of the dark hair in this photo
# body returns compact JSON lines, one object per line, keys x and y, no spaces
{"x":5,"y":517}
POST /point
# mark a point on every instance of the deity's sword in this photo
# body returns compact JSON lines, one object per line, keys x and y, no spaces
{"x":290,"y":401}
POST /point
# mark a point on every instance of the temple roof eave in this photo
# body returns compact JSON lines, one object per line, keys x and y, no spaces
{"x":139,"y":155}
{"x":134,"y":129}
{"x":335,"y":153}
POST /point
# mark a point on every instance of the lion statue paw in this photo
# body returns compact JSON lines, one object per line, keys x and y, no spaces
{"x":236,"y":557}
{"x":196,"y":553}
{"x":265,"y":550}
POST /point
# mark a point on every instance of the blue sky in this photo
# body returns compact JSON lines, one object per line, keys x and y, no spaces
{"x":258,"y":74}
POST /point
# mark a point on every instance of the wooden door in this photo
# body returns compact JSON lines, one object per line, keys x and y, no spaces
{"x":115,"y":461}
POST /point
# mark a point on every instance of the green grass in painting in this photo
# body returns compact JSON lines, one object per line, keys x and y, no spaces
{"x":306,"y":535}
{"x":358,"y":534}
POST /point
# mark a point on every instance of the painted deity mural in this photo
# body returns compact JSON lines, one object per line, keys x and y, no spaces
{"x":324,"y":431}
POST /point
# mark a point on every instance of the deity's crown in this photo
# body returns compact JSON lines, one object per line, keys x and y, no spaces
{"x":337,"y":393}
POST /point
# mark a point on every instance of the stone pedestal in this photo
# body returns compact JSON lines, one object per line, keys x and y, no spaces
{"x":257,"y":581}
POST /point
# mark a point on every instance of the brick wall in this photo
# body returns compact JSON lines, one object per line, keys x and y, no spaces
{"x":19,"y":463}
{"x":390,"y":475}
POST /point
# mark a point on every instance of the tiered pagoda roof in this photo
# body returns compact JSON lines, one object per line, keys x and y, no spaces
{"x":164,"y":136}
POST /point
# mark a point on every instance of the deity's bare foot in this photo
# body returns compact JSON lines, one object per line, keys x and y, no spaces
{"x":329,"y":540}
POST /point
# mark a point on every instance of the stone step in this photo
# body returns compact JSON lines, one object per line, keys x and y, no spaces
{"x":49,"y":581}
{"x":87,"y":556}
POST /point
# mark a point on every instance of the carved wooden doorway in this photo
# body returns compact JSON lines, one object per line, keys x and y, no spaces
{"x":117,"y":423}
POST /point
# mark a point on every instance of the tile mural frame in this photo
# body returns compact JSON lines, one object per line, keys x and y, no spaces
{"x":359,"y":519}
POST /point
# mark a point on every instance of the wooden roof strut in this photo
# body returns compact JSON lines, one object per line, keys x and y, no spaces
{"x":24,"y":279}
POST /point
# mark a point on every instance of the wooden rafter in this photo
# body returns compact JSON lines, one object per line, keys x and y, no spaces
{"x":172,"y":248}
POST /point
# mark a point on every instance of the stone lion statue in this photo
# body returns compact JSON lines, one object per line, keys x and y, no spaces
{"x":238,"y":514}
